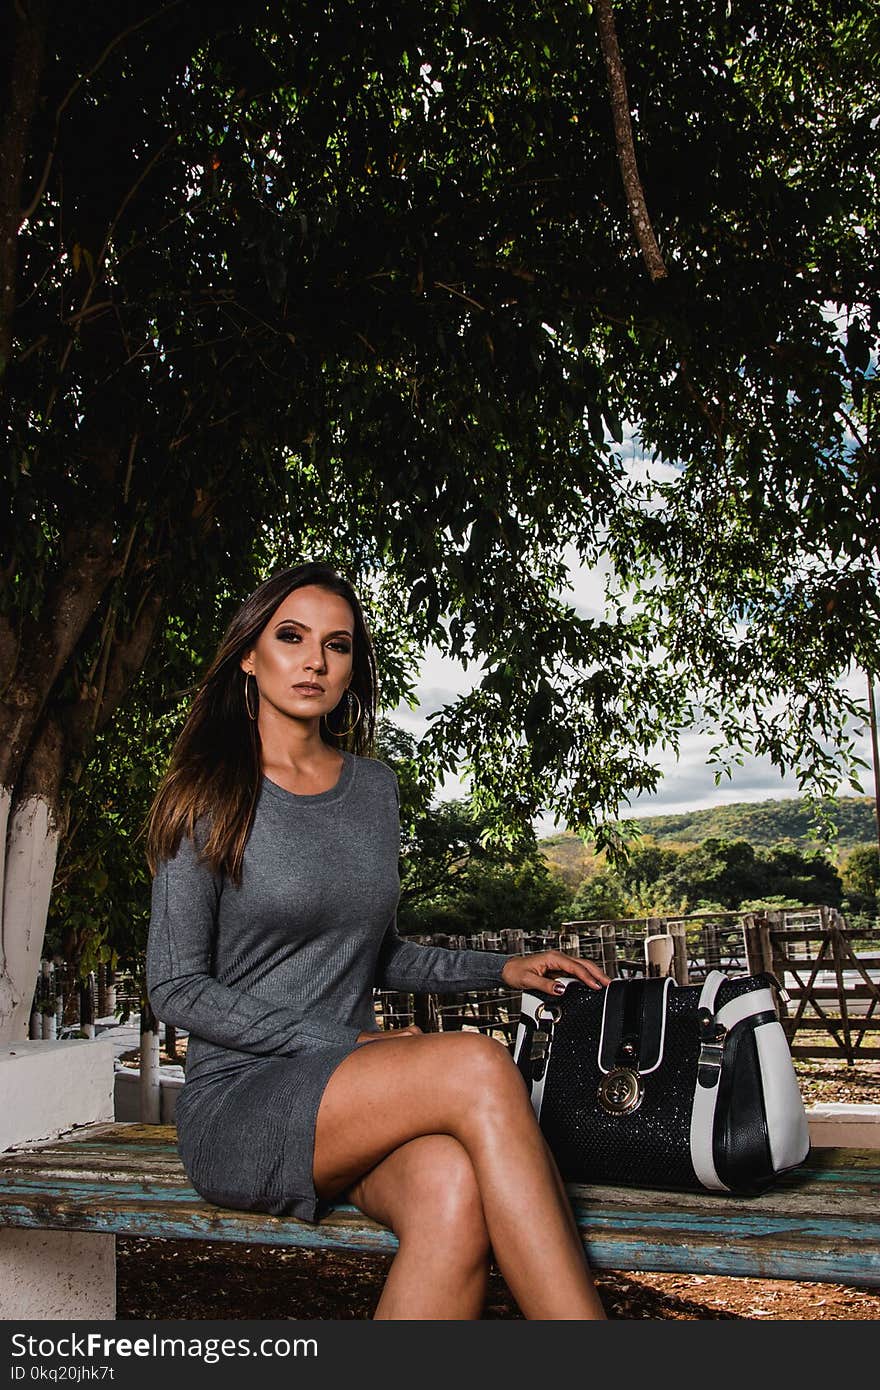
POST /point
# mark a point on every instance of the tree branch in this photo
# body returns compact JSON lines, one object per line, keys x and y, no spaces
{"x":87,"y":566}
{"x":69,"y":95}
{"x":129,"y":655}
{"x":623,"y":136}
{"x":24,"y":69}
{"x":716,"y":422}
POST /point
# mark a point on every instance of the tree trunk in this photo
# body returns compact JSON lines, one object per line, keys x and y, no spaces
{"x":151,"y":1089}
{"x":33,"y":815}
{"x":28,"y":870}
{"x":86,"y":1007}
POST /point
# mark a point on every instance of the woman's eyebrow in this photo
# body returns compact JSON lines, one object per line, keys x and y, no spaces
{"x":338,"y":632}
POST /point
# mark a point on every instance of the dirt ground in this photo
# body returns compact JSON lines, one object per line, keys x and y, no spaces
{"x":201,"y":1279}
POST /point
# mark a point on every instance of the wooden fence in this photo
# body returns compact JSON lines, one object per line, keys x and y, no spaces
{"x":833,"y":987}
{"x":830,"y":972}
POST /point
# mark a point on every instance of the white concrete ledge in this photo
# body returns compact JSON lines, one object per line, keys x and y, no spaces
{"x":48,"y":1087}
{"x":844,"y":1126}
{"x":127,"y":1094}
{"x":51,"y":1275}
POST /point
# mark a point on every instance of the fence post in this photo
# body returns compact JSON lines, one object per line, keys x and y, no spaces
{"x":711,"y":947}
{"x":608,"y":936}
{"x":678,"y":932}
{"x":659,"y":955}
{"x":513,"y":941}
{"x":759,"y":948}
{"x":774,"y":954}
{"x":837,"y":946}
{"x":752,"y":940}
{"x":425,"y":1012}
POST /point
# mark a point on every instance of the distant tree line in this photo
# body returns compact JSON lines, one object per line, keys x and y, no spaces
{"x":727,"y":875}
{"x":467,"y":888}
{"x":766,"y":823}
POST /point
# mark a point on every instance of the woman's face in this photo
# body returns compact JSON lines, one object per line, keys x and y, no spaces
{"x":302,"y":660}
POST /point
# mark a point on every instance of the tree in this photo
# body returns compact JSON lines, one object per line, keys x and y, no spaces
{"x":454,"y":876}
{"x":322,"y":285}
{"x":728,"y":873}
{"x":599,"y":895}
{"x":758,"y":560}
{"x":860,"y":872}
{"x":808,"y":878}
{"x":493,"y":897}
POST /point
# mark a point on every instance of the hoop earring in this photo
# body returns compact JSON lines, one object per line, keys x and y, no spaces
{"x":247,"y":703}
{"x":340,"y":733}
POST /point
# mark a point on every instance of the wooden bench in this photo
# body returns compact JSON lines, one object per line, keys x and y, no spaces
{"x":820,"y":1223}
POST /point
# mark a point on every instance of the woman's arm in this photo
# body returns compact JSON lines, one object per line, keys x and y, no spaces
{"x":183,"y":991}
{"x":404,"y":965}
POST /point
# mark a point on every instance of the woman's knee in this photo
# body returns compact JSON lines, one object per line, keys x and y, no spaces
{"x":441,"y":1198}
{"x":486,"y":1067}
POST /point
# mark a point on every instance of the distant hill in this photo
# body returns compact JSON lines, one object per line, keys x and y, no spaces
{"x":760,"y":822}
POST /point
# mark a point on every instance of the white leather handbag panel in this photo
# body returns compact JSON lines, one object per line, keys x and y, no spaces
{"x":787,"y":1126}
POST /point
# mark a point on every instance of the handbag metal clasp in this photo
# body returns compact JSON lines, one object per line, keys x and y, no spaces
{"x":712,"y":1050}
{"x":548,"y":1013}
{"x":545,"y":1017}
{"x":621,"y":1091}
{"x":540,"y":1039}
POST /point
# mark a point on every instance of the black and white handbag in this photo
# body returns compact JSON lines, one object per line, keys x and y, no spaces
{"x":649,"y":1084}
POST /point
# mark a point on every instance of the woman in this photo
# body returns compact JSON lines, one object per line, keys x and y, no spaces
{"x":274,"y":849}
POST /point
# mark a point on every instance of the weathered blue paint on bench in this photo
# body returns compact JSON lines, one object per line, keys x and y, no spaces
{"x":821,"y":1222}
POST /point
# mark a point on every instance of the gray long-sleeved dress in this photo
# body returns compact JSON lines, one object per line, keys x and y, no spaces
{"x":273,"y":980}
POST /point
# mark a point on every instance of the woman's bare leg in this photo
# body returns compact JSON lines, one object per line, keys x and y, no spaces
{"x":466,"y":1085}
{"x":426,"y":1192}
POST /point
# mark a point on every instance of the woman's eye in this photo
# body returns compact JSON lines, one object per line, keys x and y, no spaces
{"x":290,"y":635}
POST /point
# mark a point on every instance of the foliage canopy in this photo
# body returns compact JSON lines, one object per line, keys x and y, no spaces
{"x":294,"y":280}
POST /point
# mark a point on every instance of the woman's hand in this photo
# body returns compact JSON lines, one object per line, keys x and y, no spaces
{"x":538,"y":971}
{"x":381,"y":1033}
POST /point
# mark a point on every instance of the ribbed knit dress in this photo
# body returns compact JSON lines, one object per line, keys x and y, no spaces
{"x":273,"y":980}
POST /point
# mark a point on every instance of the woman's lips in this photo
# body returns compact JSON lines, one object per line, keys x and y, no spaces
{"x":309,"y":689}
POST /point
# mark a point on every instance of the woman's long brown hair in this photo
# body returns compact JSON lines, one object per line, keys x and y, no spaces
{"x":215,"y":769}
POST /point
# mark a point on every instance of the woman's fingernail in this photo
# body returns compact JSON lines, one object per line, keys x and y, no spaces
{"x":559,"y":989}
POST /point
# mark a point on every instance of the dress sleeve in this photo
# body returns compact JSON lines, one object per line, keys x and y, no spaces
{"x":180,"y":986}
{"x":407,"y":966}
